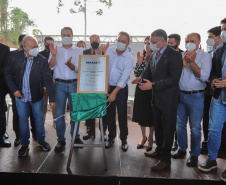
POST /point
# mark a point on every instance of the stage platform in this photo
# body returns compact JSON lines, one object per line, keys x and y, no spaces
{"x":87,"y":165}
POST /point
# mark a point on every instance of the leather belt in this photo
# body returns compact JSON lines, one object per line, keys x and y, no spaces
{"x":65,"y":81}
{"x":192,"y":92}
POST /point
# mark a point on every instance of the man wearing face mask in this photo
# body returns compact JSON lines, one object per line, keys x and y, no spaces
{"x":119,"y":68}
{"x":82,"y":45}
{"x":16,"y":127}
{"x":217,"y":116}
{"x":64,"y":61}
{"x":196,"y":70}
{"x":95,"y":49}
{"x":214,"y":41}
{"x":174,"y":42}
{"x":162,"y":76}
{"x":46,"y":53}
{"x":25,"y":75}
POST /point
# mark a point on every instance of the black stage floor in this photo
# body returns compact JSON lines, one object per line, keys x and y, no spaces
{"x":87,"y":165}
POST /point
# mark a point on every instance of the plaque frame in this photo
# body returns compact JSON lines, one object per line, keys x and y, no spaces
{"x":80,"y":70}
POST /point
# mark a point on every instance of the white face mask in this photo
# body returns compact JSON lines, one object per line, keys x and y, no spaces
{"x":66,"y":41}
{"x":210,"y":42}
{"x":33,"y":52}
{"x":81,"y":48}
{"x":190,"y":46}
{"x":223,"y":36}
{"x":121,"y":46}
{"x":153,"y":47}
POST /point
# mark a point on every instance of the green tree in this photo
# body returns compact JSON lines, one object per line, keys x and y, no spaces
{"x":19,"y":21}
{"x":4,"y":16}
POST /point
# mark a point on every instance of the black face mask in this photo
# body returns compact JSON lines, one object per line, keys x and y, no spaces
{"x":47,"y":47}
{"x":95,"y":45}
{"x":174,"y":47}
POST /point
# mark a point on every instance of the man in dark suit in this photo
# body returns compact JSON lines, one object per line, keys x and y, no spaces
{"x":4,"y":57}
{"x":162,"y":76}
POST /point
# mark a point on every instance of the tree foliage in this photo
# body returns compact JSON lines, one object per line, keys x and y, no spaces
{"x":79,"y":6}
{"x":3,"y":15}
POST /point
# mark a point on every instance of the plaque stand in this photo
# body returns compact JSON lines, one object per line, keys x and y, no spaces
{"x":88,"y":145}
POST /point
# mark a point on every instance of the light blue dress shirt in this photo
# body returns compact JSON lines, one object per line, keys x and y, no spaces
{"x":119,"y":67}
{"x":26,"y":93}
{"x":188,"y":80}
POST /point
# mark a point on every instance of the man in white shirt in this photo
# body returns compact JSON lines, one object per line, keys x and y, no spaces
{"x":196,"y":70}
{"x":64,"y":61}
{"x":119,"y":68}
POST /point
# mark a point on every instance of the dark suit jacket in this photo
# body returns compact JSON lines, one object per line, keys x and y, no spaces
{"x":40,"y":76}
{"x":216,"y":71}
{"x":4,"y":57}
{"x":165,"y":76}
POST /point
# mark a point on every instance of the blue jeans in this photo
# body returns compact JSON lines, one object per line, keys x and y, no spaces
{"x":23,"y":109}
{"x":63,"y":92}
{"x":217,"y":119}
{"x":191,"y":107}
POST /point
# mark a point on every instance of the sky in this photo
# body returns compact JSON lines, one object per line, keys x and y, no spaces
{"x":137,"y":17}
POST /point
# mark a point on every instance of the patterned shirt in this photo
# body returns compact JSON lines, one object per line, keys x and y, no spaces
{"x":26,"y":85}
{"x":139,"y":68}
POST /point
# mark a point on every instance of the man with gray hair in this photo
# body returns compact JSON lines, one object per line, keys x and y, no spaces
{"x":25,"y":74}
{"x":196,"y":70}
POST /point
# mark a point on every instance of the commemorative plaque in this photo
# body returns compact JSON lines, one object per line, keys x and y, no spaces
{"x":93,"y":74}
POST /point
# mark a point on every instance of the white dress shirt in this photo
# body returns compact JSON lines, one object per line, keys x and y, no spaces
{"x":188,"y":80}
{"x":119,"y":67}
{"x":62,"y":71}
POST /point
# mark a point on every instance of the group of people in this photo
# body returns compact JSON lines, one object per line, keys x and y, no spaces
{"x":174,"y":87}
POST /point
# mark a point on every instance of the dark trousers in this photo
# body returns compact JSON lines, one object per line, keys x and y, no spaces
{"x":109,"y":119}
{"x":16,"y":127}
{"x":90,"y":126}
{"x":2,"y":114}
{"x":165,"y":126}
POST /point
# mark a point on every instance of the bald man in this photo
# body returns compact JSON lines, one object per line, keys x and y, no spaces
{"x":25,"y":74}
{"x":196,"y":70}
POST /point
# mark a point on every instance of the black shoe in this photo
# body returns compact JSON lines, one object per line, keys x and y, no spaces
{"x":208,"y":165}
{"x":204,"y":149}
{"x":78,"y":141}
{"x":179,"y":154}
{"x":175,"y":146}
{"x":154,"y":154}
{"x":223,"y":176}
{"x":124,"y":146}
{"x":140,"y":146}
{"x":6,"y":135}
{"x":88,"y":135}
{"x":60,"y":147}
{"x":24,"y":150}
{"x":17,"y":141}
{"x":109,"y":143}
{"x":192,"y":161}
{"x":45,"y":146}
{"x":5,"y":143}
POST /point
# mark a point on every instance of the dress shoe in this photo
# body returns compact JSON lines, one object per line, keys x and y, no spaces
{"x":109,"y":143}
{"x":223,"y":176}
{"x":6,"y":135}
{"x":155,"y":154}
{"x":161,"y":166}
{"x":140,"y":146}
{"x":17,"y":141}
{"x":192,"y":161}
{"x":124,"y":146}
{"x":175,"y":146}
{"x":5,"y":143}
{"x":179,"y":154}
{"x":88,"y":135}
